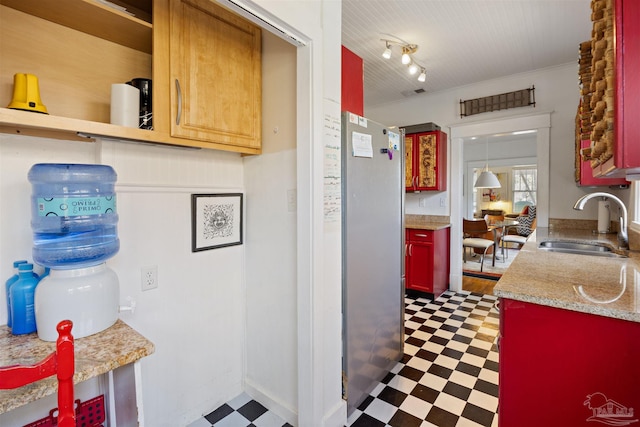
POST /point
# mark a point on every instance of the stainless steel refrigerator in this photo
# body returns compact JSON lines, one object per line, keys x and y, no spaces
{"x":373,"y":254}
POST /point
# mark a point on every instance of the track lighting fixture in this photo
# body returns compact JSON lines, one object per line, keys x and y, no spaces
{"x":407,"y":59}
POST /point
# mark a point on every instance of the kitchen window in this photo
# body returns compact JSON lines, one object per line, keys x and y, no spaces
{"x":525,"y":186}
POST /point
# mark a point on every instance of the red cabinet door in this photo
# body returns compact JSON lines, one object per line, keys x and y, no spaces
{"x":565,"y":368}
{"x":427,"y":261}
{"x":419,"y":275}
{"x":426,"y":161}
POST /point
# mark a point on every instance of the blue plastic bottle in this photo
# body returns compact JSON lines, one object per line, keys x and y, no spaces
{"x":10,"y":281}
{"x":73,"y":214}
{"x":23,"y":313}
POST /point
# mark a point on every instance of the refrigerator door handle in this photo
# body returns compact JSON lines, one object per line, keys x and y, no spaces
{"x":410,"y":251}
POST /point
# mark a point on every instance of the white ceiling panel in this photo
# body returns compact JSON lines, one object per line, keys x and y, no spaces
{"x":460,"y":41}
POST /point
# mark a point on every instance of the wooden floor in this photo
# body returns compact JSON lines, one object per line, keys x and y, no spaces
{"x":481,"y":286}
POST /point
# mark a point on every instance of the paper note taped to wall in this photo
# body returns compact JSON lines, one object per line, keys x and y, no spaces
{"x":361,"y":145}
{"x":394,"y":141}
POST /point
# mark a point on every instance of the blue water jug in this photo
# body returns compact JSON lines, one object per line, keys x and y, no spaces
{"x":23,"y":313}
{"x":73,"y":214}
{"x":7,"y":286}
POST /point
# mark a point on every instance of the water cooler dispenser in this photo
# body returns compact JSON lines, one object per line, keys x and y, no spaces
{"x":74,"y":222}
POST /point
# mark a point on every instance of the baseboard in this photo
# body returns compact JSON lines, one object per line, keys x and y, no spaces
{"x":483,"y":275}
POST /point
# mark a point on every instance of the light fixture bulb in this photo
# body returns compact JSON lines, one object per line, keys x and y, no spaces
{"x":406,"y":58}
{"x":413,"y":68}
{"x":387,"y":52}
{"x":423,"y":76}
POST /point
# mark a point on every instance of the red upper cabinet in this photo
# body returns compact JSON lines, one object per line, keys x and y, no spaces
{"x":626,"y":150}
{"x":352,"y":82}
{"x":426,"y":160}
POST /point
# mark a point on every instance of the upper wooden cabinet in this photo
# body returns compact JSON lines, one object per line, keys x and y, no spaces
{"x":78,"y":48}
{"x":215,"y":74}
{"x":426,"y":161}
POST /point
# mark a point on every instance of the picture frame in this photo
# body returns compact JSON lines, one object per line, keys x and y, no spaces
{"x":216,"y":221}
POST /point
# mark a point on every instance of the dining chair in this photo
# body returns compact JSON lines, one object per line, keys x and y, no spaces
{"x":519,"y":234}
{"x":60,"y":363}
{"x":472,"y":231}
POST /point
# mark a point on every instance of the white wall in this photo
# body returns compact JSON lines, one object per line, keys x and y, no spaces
{"x":270,"y":182}
{"x":556,"y":92}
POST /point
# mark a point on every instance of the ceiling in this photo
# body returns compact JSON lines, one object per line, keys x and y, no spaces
{"x":460,"y":41}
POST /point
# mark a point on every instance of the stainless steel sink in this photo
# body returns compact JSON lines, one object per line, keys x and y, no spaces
{"x":581,"y":248}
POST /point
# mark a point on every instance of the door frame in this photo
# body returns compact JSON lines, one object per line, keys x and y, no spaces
{"x":541,"y":122}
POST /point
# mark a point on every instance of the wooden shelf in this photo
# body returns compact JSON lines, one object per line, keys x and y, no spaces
{"x":20,"y":122}
{"x":91,"y":17}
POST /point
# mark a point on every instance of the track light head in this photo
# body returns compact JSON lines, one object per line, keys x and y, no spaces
{"x":413,"y":68}
{"x":423,"y":76}
{"x":387,"y":52}
{"x":406,"y":58}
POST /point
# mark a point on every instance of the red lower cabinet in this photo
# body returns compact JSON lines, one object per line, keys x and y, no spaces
{"x":565,"y":368}
{"x":427,"y":261}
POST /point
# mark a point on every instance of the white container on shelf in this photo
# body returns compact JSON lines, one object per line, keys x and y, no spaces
{"x":89,"y":297}
{"x":125,"y":105}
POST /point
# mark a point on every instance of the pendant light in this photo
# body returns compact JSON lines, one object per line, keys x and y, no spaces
{"x":487,"y":179}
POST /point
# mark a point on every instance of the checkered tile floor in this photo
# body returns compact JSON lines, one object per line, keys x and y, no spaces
{"x":448,"y":376}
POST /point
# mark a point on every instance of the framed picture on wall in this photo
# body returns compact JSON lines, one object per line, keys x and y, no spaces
{"x":216,"y":221}
{"x":497,"y":194}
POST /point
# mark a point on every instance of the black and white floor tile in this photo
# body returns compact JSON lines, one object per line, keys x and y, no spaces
{"x":448,"y":376}
{"x":242,"y":411}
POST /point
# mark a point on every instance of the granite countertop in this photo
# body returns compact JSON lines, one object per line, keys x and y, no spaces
{"x":589,"y":284}
{"x":426,"y":222}
{"x":97,"y":354}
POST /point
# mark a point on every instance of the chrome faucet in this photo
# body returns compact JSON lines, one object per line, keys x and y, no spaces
{"x":623,"y":238}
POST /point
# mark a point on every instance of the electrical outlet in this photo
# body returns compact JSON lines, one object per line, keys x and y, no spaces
{"x":149,"y":277}
{"x":422,"y":202}
{"x":292,"y":200}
